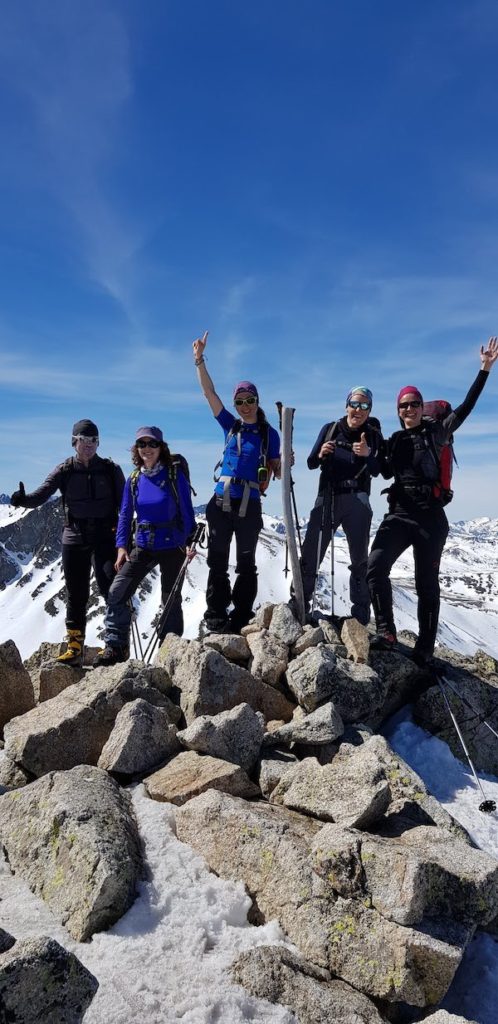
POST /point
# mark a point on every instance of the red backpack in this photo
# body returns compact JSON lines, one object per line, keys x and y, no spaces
{"x":444,"y":454}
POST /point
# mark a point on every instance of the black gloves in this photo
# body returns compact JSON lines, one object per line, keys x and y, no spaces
{"x":17,"y":498}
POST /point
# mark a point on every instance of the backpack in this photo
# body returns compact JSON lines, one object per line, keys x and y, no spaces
{"x":235,"y":431}
{"x":444,"y":454}
{"x":107,"y":468}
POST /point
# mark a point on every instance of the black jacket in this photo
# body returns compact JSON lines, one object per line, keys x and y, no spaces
{"x":343,"y":470}
{"x":91,"y":497}
{"x":411,"y":456}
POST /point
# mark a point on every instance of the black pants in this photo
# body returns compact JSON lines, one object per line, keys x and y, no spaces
{"x":128,"y":579}
{"x":351,"y":511}
{"x":427,"y":535}
{"x":222,"y":527}
{"x":77,"y":563}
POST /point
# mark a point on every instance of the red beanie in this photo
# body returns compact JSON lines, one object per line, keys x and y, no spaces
{"x":409,"y":390}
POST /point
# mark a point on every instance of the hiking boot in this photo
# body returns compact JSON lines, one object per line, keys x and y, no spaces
{"x":72,"y":649}
{"x":237,"y":622}
{"x":111,"y":656}
{"x":423,"y":658}
{"x":383,"y":642}
{"x":215,"y":624}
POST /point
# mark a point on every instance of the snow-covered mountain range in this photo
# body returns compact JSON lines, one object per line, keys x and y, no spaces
{"x":32,"y":587}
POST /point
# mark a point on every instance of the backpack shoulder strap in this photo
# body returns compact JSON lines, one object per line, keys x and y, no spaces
{"x":134,"y":478}
{"x":331,"y":432}
{"x":233,"y":432}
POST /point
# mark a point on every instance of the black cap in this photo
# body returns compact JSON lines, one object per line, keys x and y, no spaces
{"x":85,"y":427}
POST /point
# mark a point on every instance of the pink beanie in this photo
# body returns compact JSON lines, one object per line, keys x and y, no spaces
{"x":409,"y":390}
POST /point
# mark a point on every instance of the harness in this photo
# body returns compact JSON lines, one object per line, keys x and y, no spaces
{"x":247,"y":485}
{"x":176,"y":522}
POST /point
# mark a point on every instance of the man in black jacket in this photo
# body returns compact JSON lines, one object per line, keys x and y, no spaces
{"x":348,"y":453}
{"x":91,"y":490}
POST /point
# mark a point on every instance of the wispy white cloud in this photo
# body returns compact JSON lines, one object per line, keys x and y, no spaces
{"x":71,"y":63}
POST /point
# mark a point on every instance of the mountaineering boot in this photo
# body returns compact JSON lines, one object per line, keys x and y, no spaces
{"x":111,"y":656}
{"x":422,"y":657}
{"x":383,"y":642}
{"x":213,"y":624}
{"x":72,"y":655}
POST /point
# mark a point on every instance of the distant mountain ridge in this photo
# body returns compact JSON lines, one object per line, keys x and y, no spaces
{"x":32,"y":587}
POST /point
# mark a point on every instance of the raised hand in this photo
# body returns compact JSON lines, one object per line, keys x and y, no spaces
{"x":489,"y":355}
{"x":18,"y":497}
{"x":199,"y":345}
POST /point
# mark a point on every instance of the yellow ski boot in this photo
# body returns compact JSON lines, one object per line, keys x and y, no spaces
{"x":72,"y":649}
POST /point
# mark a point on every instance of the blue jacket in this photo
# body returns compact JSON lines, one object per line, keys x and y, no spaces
{"x":245,"y":465}
{"x":162,"y":521}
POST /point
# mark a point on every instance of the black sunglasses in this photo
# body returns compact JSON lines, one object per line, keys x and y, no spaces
{"x":145,"y":442}
{"x":353,"y":404}
{"x":410,"y":405}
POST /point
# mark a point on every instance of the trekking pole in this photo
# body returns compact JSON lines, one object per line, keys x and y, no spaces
{"x":472,"y":707}
{"x":319,"y":547}
{"x":332,"y":553}
{"x":177,"y":585}
{"x":487,"y":806}
{"x":135,"y":632}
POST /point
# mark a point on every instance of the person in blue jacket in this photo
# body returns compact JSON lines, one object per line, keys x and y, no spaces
{"x":250,"y":456}
{"x":158,"y":492}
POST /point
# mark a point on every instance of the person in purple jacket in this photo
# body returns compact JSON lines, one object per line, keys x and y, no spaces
{"x":158,"y":492}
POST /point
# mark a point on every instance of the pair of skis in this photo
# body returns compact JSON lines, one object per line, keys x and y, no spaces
{"x":291,"y":521}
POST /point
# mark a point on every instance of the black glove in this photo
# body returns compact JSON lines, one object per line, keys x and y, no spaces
{"x":18,"y":497}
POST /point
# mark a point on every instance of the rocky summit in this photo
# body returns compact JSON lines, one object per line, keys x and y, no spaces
{"x":268,"y":748}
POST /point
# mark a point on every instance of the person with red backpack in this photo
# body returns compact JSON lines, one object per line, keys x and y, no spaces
{"x":418,"y":456}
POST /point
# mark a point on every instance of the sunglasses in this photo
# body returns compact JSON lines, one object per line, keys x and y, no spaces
{"x":245,"y":401}
{"x":410,"y":405}
{"x":145,"y":442}
{"x":359,"y":405}
{"x":85,"y":438}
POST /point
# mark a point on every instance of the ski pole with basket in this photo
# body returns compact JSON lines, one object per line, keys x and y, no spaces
{"x":172,"y":596}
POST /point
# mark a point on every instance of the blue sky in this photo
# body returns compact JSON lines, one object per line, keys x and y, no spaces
{"x":315,"y":183}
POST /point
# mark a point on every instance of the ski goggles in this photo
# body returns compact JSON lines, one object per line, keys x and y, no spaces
{"x":364,"y":406}
{"x":410,"y":405}
{"x":245,"y":401}
{"x":146,"y":442}
{"x":86,"y":439}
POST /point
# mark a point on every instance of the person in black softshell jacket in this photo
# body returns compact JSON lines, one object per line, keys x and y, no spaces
{"x":416,"y":516}
{"x":91,"y":490}
{"x":347,"y":453}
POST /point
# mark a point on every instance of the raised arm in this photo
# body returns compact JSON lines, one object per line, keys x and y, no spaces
{"x":488,"y":357}
{"x":207,"y":386}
